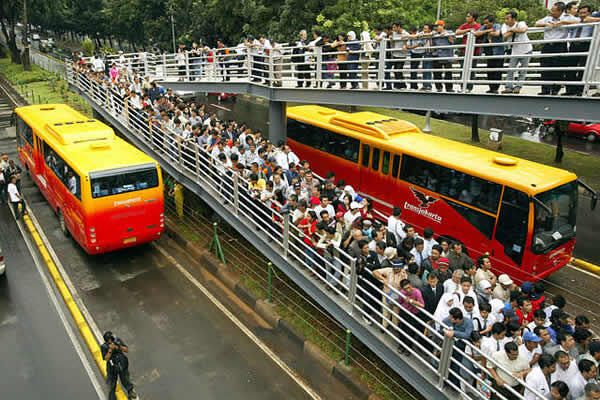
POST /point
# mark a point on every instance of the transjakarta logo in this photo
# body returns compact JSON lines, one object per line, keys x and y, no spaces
{"x":425,"y":202}
{"x":128,"y":201}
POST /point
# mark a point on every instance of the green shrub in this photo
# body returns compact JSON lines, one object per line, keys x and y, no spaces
{"x":88,"y":47}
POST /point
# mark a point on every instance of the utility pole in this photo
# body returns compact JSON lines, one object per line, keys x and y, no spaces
{"x":173,"y":31}
{"x":26,"y":61}
{"x":439,"y":10}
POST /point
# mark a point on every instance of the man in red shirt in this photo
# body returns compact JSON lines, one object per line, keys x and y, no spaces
{"x":467,"y":29}
{"x":309,"y":226}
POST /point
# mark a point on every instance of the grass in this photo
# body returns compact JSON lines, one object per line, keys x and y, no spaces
{"x":39,"y":86}
{"x":587,"y":167}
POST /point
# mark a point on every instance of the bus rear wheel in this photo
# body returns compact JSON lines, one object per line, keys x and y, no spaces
{"x":63,"y":223}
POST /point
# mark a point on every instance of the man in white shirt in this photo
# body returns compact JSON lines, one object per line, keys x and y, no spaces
{"x":511,"y":360}
{"x":539,"y":377}
{"x":513,"y":31}
{"x":566,"y":370}
{"x":587,"y":374}
{"x":324,"y":206}
{"x":352,"y":214}
{"x":396,"y":226}
{"x":554,"y":31}
{"x":495,"y":342}
{"x":15,"y":198}
{"x":428,"y":241}
{"x":530,"y":347}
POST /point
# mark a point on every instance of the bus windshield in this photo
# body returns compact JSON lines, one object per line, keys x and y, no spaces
{"x":555,"y":216}
{"x":123,"y":180}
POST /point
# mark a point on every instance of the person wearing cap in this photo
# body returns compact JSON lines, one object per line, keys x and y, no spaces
{"x":531,"y":347}
{"x":443,"y":37}
{"x":353,"y":214}
{"x":538,"y":379}
{"x":391,"y":278}
{"x":503,"y":288}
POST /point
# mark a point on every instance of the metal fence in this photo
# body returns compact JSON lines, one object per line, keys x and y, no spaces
{"x":464,"y":65}
{"x":48,"y":63}
{"x":347,"y":280}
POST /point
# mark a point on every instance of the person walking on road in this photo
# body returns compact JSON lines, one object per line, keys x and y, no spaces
{"x":15,"y":197}
{"x":117,"y":365}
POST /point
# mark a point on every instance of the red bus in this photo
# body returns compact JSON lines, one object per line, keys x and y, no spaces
{"x":522,"y":213}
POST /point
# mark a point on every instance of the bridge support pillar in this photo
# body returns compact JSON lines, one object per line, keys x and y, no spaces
{"x":277,"y":122}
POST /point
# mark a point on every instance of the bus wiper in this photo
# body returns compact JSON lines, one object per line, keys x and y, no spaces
{"x":541,"y":204}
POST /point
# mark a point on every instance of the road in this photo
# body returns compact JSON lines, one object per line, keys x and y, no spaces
{"x":180,"y":343}
{"x":38,"y":359}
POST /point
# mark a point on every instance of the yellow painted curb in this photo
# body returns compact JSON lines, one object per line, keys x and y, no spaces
{"x":82,"y":324}
{"x":586,"y":265}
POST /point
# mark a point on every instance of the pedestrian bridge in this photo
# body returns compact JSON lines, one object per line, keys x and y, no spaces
{"x":434,"y":366}
{"x":470,"y":77}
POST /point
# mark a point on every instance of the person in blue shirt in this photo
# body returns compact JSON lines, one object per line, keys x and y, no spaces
{"x":353,"y":48}
{"x":491,"y":32}
{"x":459,"y":328}
{"x":444,"y":57}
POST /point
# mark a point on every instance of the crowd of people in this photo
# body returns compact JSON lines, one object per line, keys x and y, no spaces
{"x":351,"y":58}
{"x":406,"y":280}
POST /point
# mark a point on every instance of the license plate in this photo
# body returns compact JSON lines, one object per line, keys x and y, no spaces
{"x":129,"y":240}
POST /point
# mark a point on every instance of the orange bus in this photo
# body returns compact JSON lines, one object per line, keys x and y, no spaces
{"x":106,"y":193}
{"x":520,"y":212}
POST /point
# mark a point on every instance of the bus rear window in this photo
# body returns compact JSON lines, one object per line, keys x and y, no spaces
{"x":123,"y":180}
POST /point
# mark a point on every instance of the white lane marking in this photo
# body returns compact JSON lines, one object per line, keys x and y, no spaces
{"x":86,"y":314}
{"x":78,"y":349}
{"x":221,"y":107}
{"x":239,"y":324}
{"x":583,"y":271}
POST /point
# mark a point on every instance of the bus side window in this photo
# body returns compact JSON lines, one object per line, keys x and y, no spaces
{"x":366,"y":149}
{"x":321,"y":139}
{"x":511,"y":229}
{"x":395,"y":165}
{"x":385,"y":165}
{"x":25,"y":130}
{"x":375,"y":161}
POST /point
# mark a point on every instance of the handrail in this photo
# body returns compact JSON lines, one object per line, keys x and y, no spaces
{"x":378,"y":65}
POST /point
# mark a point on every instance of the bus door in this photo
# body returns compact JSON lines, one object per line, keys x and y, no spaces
{"x":40,"y":170}
{"x":372,"y":180}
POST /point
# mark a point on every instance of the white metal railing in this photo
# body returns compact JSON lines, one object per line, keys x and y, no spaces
{"x":386,"y":65}
{"x":348,"y":277}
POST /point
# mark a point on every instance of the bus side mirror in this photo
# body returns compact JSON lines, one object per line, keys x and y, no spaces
{"x":594,"y":202}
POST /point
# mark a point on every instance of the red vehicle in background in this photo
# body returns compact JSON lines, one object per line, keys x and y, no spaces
{"x":584,"y":130}
{"x":224,"y":96}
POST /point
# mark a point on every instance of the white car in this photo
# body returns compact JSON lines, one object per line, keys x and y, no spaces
{"x":36,"y":36}
{"x":2,"y":265}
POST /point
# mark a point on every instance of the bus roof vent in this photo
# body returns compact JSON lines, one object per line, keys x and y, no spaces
{"x":506,"y":161}
{"x":47,"y":108}
{"x":99,"y":146}
{"x":380,"y":128}
{"x":326,"y":112}
{"x":366,"y":128}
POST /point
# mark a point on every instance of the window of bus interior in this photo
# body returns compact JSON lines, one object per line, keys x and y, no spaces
{"x":484,"y":223}
{"x":322,"y":139}
{"x":25,"y":130}
{"x":555,"y":220}
{"x":375,"y":159}
{"x":123,"y":180}
{"x":455,"y":184}
{"x":511,"y":229}
{"x":366,"y":151}
{"x":63,"y":171}
{"x":385,"y":164}
{"x":395,"y":165}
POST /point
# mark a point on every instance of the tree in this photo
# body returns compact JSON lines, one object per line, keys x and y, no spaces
{"x":10,"y":12}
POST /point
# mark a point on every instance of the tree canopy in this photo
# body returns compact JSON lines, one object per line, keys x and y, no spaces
{"x":147,"y":22}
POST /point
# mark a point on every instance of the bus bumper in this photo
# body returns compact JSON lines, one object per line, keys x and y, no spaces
{"x":108,"y":246}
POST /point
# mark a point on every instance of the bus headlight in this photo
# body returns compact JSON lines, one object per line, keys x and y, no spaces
{"x":93,"y":235}
{"x":93,"y":240}
{"x":92,"y":229}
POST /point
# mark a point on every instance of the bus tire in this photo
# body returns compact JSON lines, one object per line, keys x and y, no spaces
{"x":63,"y":223}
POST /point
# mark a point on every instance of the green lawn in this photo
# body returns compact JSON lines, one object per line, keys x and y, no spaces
{"x":585,"y":166}
{"x":39,"y":86}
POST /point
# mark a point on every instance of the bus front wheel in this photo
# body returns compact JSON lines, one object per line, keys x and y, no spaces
{"x":63,"y":223}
